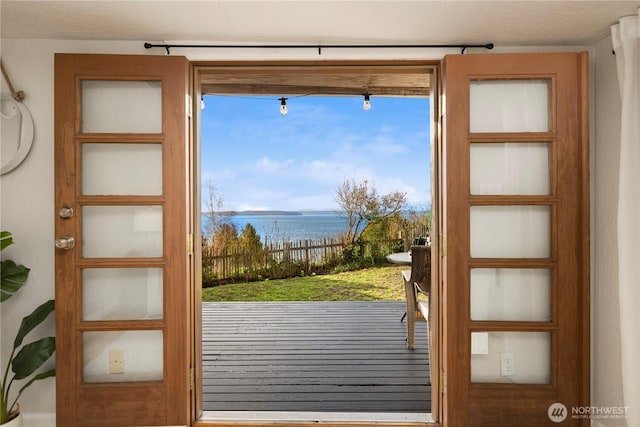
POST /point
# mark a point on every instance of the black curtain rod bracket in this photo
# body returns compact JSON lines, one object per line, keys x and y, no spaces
{"x":464,"y":47}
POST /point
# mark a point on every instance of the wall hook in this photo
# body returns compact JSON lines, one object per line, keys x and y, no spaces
{"x":18,"y":95}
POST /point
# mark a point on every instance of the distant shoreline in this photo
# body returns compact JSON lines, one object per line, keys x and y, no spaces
{"x":286,"y":213}
{"x":259,"y":213}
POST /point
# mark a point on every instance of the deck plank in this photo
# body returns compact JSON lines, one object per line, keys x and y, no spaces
{"x":312,"y":356}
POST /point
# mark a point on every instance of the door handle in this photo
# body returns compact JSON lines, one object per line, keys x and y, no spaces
{"x":65,"y":212}
{"x":65,"y":242}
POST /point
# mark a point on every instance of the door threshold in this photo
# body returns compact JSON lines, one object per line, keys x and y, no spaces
{"x":265,"y":418}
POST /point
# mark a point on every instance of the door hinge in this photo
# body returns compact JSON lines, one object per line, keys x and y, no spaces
{"x":190,"y":244}
{"x":443,"y":382}
{"x":191,"y":378}
{"x":189,"y":106}
{"x":443,"y":245}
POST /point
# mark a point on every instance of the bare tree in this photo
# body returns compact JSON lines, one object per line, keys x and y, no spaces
{"x":215,"y":218}
{"x":360,"y":203}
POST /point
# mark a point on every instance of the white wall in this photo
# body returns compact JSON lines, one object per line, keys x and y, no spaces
{"x":27,"y":195}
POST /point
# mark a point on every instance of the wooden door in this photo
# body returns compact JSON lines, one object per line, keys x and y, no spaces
{"x":123,"y":283}
{"x":515,"y":230}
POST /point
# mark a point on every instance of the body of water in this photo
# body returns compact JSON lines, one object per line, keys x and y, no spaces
{"x":276,"y":227}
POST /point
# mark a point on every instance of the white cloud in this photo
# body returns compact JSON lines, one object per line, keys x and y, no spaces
{"x":265,"y":164}
{"x":262,"y":195}
{"x":416,"y":193}
{"x":248,"y":207}
{"x":333,"y":172}
{"x":385,"y":145}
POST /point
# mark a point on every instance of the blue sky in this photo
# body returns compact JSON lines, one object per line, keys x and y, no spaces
{"x":260,"y":159}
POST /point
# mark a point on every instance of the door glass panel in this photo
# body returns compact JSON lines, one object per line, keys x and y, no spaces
{"x":118,"y":106}
{"x":509,"y":106}
{"x":510,"y":231}
{"x":121,"y":293}
{"x":117,"y":169}
{"x":121,"y":231}
{"x":141,"y":353}
{"x":510,"y":168}
{"x":513,"y":358}
{"x":510,"y":294}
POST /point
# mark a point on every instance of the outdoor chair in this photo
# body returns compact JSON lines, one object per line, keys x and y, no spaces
{"x":417,"y":287}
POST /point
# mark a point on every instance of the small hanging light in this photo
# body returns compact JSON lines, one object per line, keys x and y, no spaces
{"x":283,"y":106}
{"x":367,"y":102}
{"x":202,"y":102}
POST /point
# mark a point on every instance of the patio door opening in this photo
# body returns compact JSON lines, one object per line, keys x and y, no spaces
{"x":322,"y":360}
{"x":511,"y":252}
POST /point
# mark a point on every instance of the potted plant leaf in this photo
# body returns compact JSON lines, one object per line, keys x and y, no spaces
{"x":25,"y":359}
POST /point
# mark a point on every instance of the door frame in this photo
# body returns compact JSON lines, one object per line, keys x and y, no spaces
{"x":432,"y":68}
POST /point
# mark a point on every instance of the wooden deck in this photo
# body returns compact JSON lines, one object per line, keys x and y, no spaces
{"x":315,"y":356}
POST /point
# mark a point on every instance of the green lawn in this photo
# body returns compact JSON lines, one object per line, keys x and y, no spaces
{"x":380,"y":283}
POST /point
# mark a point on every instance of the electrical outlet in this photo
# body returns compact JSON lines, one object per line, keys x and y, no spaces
{"x":116,"y":361}
{"x":507,"y":364}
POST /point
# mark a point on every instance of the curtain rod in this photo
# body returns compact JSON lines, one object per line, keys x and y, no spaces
{"x":319,"y":47}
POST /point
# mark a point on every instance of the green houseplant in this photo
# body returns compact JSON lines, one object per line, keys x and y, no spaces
{"x":25,"y":359}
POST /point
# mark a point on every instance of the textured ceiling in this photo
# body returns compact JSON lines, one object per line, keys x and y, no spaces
{"x":505,"y":23}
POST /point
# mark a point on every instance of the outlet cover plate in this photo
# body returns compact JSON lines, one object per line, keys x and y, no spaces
{"x":507,"y":364}
{"x":116,"y":361}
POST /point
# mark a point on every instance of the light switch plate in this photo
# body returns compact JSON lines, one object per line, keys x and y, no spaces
{"x":479,"y":343}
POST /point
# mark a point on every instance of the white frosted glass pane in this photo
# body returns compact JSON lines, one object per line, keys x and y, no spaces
{"x":122,"y":169}
{"x":510,"y":168}
{"x":509,"y":106}
{"x":121,"y":231}
{"x":119,"y":106}
{"x":530,"y":353}
{"x":510,"y":231}
{"x":121,"y":293}
{"x":506,"y":294}
{"x":143,"y":356}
